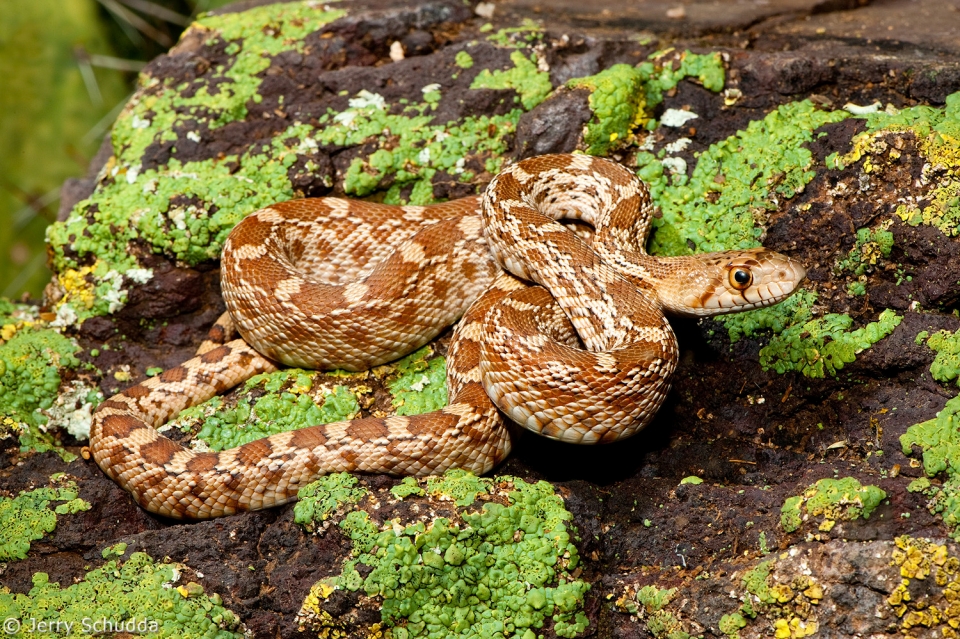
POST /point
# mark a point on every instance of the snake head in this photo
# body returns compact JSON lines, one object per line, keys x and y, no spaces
{"x":729,"y":282}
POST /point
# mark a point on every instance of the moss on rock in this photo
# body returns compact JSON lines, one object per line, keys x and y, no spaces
{"x":939,"y":441}
{"x":532,"y":85}
{"x":419,"y":383}
{"x":28,"y":516}
{"x":946,"y":365}
{"x":32,"y":359}
{"x":135,"y":596}
{"x":270,"y":403}
{"x":822,"y":346}
{"x":501,"y":572}
{"x":623,"y":97}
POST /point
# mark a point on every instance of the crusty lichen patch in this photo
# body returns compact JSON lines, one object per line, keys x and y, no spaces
{"x":531,"y":84}
{"x":936,"y":605}
{"x":788,"y":609}
{"x":182,"y":208}
{"x":136,"y":597}
{"x":724,"y":203}
{"x":319,"y":500}
{"x":650,"y":605}
{"x":813,"y":346}
{"x":937,"y":131}
{"x":418,"y":382}
{"x":504,"y":570}
{"x":822,"y":346}
{"x":836,"y":500}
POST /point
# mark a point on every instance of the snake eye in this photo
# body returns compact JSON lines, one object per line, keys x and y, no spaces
{"x":741,"y":278}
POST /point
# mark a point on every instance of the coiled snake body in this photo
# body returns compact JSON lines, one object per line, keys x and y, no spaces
{"x":585,"y":356}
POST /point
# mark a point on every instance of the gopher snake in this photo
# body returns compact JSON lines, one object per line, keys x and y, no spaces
{"x":589,"y":361}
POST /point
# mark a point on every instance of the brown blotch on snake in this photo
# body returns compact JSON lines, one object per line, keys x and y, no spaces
{"x":173,"y":375}
{"x":589,"y":362}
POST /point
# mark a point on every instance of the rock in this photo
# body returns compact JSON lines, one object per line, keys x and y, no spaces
{"x":805,"y":454}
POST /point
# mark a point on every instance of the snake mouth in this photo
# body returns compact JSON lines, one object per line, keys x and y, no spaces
{"x":780,"y":279}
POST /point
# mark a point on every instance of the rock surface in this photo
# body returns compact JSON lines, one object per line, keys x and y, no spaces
{"x":774,"y":503}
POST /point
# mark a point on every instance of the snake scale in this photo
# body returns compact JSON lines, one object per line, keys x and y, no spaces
{"x":566,"y":337}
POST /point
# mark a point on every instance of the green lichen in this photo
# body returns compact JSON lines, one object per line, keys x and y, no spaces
{"x":731,"y":624}
{"x":526,"y":34}
{"x":32,"y":357}
{"x":28,"y":517}
{"x":618,"y":102}
{"x":134,"y":596}
{"x":419,"y":148}
{"x":939,"y":438}
{"x":836,"y":500}
{"x":149,"y":207}
{"x":295,"y":399}
{"x":421,"y":383}
{"x":796,"y":309}
{"x":856,"y":288}
{"x":459,"y":485}
{"x":736,"y":182}
{"x":185,"y":209}
{"x":407,"y":487}
{"x":317,"y":501}
{"x":255,"y":36}
{"x":667,"y":68}
{"x":532,"y":85}
{"x":946,"y":365}
{"x":822,"y":346}
{"x":871,"y":246}
{"x":756,"y":582}
{"x":115,"y":551}
{"x":623,"y":97}
{"x":653,"y":598}
{"x":939,"y":441}
{"x":463,"y":60}
{"x":502,"y":572}
{"x":649,"y":603}
{"x":814,"y":347}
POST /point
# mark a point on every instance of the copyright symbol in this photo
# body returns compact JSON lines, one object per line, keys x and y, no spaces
{"x":11,"y":625}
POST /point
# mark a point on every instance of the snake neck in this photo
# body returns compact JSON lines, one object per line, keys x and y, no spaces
{"x":703,"y":285}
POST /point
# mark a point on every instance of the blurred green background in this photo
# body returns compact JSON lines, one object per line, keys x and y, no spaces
{"x":66,"y":69}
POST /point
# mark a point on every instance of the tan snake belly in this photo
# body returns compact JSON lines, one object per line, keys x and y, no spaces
{"x":585,"y":356}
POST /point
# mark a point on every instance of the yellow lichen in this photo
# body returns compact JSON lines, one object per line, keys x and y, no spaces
{"x":919,"y":559}
{"x":794,"y":628}
{"x":76,"y":289}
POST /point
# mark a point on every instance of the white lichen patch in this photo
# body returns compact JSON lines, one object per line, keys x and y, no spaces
{"x":114,"y":294}
{"x":677,"y":117}
{"x":677,"y":145}
{"x":73,"y":408}
{"x":66,"y":316}
{"x":366,"y":99}
{"x":675,"y":165}
{"x":139,"y":275}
